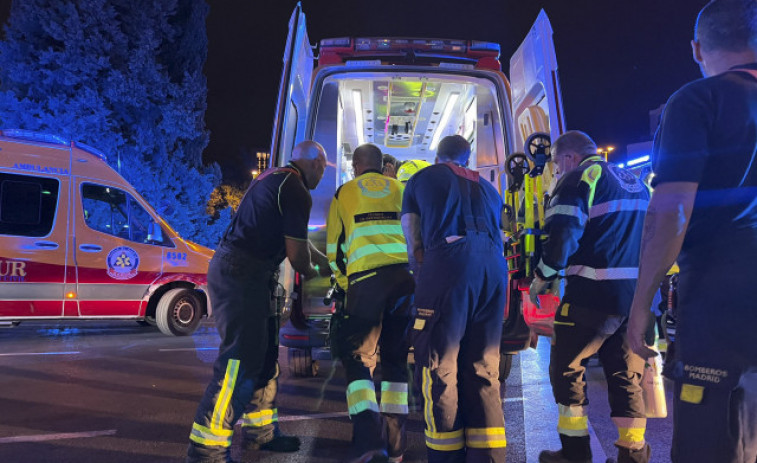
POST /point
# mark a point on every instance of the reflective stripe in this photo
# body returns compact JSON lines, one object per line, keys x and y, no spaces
{"x":598,"y":274}
{"x":331,"y":248}
{"x":368,"y":249}
{"x":261,"y":418}
{"x":224,"y":395}
{"x":621,"y":205}
{"x":428,"y":401}
{"x":210,"y":437}
{"x":572,"y":211}
{"x":373,"y":230}
{"x":394,"y":398}
{"x":361,"y":396}
{"x":445,"y":441}
{"x":591,"y":176}
{"x":572,"y":420}
{"x":485,"y":438}
{"x":546,"y":270}
{"x":630,"y":432}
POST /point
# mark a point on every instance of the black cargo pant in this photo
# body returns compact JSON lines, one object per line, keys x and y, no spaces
{"x":580,"y":333}
{"x":460,"y":301}
{"x":715,"y":365}
{"x":240,"y":292}
{"x":377,"y":316}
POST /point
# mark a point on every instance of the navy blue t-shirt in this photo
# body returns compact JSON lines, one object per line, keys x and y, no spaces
{"x":276,"y":206}
{"x":708,"y":135}
{"x":435,"y":194}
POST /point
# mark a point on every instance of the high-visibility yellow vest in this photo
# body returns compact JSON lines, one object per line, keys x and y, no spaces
{"x":363,"y":227}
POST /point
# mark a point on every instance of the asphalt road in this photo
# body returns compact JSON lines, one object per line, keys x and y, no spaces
{"x":119,"y":392}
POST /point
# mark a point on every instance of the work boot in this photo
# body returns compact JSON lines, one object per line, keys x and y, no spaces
{"x":371,"y":456}
{"x":626,"y":455}
{"x":279,"y":443}
{"x":551,"y":456}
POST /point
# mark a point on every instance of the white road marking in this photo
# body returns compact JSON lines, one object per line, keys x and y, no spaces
{"x":47,"y":437}
{"x":540,"y":411}
{"x":39,"y":353}
{"x":316,"y":416}
{"x":185,"y":349}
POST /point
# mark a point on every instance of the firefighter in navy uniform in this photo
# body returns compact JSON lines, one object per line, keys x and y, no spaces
{"x":593,"y":226}
{"x":704,"y":214}
{"x":270,"y":224}
{"x":366,"y":244}
{"x":452,"y":223}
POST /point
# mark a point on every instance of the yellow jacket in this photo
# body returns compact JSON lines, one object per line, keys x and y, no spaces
{"x":363,"y":227}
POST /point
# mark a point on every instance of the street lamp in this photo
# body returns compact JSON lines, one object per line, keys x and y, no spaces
{"x":262,"y":160}
{"x":605,"y":152}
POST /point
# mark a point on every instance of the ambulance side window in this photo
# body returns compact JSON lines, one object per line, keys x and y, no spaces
{"x":27,"y":205}
{"x":105,"y":209}
{"x":139,"y":225}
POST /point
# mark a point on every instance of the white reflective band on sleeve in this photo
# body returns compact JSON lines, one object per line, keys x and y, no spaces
{"x":546,"y":270}
{"x":572,"y":211}
{"x":621,"y":205}
{"x":617,"y":273}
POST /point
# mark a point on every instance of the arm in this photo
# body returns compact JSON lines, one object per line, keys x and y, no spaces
{"x":319,"y":260}
{"x":411,"y":227}
{"x":664,"y":229}
{"x":334,"y":239}
{"x":298,"y":253}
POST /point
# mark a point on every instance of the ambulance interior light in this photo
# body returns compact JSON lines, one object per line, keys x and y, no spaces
{"x":639,"y":160}
{"x":446,"y":114}
{"x":357,"y":102}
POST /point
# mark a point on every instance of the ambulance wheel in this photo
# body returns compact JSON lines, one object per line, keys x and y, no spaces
{"x":301,"y":362}
{"x":505,"y":365}
{"x":179,"y":312}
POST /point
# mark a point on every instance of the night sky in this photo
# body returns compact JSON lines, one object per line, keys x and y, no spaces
{"x":617,"y":59}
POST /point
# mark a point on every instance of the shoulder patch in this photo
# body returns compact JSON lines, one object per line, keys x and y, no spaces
{"x":626,"y":179}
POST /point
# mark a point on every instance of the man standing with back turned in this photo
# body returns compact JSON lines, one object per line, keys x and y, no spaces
{"x":270,"y":224}
{"x":452,"y":222}
{"x":705,"y":207}
{"x":593,"y":226}
{"x":364,"y":230}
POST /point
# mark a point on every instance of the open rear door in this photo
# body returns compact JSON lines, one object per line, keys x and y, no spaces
{"x":294,"y":91}
{"x":536,"y":101}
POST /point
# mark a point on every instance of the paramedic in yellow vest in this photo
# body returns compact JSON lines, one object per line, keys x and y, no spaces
{"x":366,"y":244}
{"x":410,"y":168}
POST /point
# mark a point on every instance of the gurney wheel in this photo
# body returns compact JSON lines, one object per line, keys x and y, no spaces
{"x":301,"y":363}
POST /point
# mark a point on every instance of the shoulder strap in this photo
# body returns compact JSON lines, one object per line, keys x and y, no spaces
{"x":751,"y":72}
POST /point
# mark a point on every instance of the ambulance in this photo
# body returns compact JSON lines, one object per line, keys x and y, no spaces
{"x":404,"y":95}
{"x":77,"y":242}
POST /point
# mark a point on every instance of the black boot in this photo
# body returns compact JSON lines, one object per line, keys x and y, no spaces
{"x":549,"y":456}
{"x":279,"y":443}
{"x":626,"y":455}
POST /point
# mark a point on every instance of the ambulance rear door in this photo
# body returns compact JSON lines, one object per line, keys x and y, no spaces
{"x":536,"y":101}
{"x":294,"y":91}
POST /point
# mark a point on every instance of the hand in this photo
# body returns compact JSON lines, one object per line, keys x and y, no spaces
{"x":638,"y":323}
{"x":538,"y":286}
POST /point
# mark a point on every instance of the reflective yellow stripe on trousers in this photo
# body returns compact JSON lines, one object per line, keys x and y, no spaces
{"x":630,"y":432}
{"x":572,"y":420}
{"x":485,"y":438}
{"x":260,"y":418}
{"x":445,"y":441}
{"x":428,"y":401}
{"x":216,"y":434}
{"x":361,"y":396}
{"x":394,"y":398}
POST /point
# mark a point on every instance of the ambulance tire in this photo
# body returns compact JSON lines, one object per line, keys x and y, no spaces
{"x":179,"y":312}
{"x":505,"y":365}
{"x":301,"y":362}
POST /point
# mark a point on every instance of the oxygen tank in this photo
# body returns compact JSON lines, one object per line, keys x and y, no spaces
{"x":653,"y":388}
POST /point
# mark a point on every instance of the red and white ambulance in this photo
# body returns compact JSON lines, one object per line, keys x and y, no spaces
{"x":404,"y":95}
{"x":78,"y":242}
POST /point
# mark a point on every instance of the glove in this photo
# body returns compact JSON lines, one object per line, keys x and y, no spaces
{"x":538,"y":286}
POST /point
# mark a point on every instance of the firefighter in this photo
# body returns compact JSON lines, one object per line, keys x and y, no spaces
{"x":451,"y":220}
{"x":270,"y":224}
{"x":410,"y":168}
{"x":366,"y":244}
{"x":593,"y":229}
{"x":704,"y":213}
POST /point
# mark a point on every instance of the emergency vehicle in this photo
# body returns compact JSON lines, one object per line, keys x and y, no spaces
{"x":77,"y":242}
{"x":404,"y":95}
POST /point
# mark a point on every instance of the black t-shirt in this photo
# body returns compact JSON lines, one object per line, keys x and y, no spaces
{"x":708,"y":135}
{"x":277,"y":205}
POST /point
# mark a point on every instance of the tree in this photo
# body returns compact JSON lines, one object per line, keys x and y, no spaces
{"x":124,"y":76}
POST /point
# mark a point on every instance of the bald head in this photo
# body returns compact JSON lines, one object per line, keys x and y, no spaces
{"x":310,"y":157}
{"x":366,"y":157}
